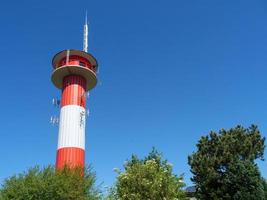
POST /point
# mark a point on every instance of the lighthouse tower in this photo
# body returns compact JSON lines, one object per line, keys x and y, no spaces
{"x":74,"y":72}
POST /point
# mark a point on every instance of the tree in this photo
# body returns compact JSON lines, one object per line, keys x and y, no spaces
{"x":264,"y":183}
{"x":224,"y":165}
{"x":149,"y":178}
{"x":47,"y":184}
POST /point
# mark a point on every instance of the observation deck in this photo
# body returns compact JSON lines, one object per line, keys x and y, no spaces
{"x":74,"y":62}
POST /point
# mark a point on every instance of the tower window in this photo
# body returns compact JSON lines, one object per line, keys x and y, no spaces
{"x":82,"y":64}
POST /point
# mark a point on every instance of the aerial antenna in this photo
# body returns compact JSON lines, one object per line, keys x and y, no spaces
{"x":85,"y":34}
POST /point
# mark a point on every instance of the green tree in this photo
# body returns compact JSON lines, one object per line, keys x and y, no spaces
{"x":264,"y":183}
{"x":224,"y":166}
{"x":49,"y":184}
{"x":149,"y":178}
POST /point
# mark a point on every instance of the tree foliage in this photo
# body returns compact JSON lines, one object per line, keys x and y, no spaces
{"x":264,"y":183}
{"x":223,"y":166}
{"x":149,"y":178}
{"x":49,"y":184}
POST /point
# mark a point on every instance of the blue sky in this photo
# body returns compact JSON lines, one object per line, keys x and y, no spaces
{"x":170,"y":71}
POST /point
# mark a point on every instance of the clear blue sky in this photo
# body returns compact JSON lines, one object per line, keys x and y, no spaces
{"x":170,"y":71}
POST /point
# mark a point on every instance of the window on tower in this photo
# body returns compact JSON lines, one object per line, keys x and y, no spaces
{"x":82,"y":64}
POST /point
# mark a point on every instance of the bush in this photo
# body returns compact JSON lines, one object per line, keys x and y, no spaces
{"x":149,"y":178}
{"x":48,"y":184}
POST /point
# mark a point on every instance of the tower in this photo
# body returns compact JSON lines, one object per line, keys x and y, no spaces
{"x":74,"y":72}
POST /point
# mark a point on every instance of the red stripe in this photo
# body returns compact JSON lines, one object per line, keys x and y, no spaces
{"x":73,"y":91}
{"x":71,"y":157}
{"x":75,"y":60}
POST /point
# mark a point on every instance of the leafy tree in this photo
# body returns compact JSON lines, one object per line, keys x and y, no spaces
{"x":49,"y":184}
{"x":149,"y":178}
{"x":264,"y":183}
{"x":223,"y":167}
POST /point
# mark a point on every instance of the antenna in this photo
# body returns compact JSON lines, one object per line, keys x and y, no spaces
{"x":87,"y":112}
{"x":54,"y":120}
{"x":82,"y":118}
{"x":56,"y":102}
{"x":85,"y":34}
{"x":86,"y":95}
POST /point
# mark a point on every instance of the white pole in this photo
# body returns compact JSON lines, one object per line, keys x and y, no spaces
{"x":85,"y":35}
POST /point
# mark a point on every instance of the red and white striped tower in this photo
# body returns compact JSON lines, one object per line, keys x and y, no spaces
{"x":74,"y":72}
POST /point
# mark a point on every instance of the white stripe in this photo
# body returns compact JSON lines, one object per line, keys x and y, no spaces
{"x":72,"y":127}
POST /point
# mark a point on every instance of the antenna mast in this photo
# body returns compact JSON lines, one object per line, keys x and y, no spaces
{"x":85,"y":35}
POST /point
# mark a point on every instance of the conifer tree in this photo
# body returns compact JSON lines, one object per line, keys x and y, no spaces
{"x":224,"y":166}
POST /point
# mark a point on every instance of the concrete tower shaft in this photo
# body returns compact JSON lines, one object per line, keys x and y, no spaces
{"x":71,"y":139}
